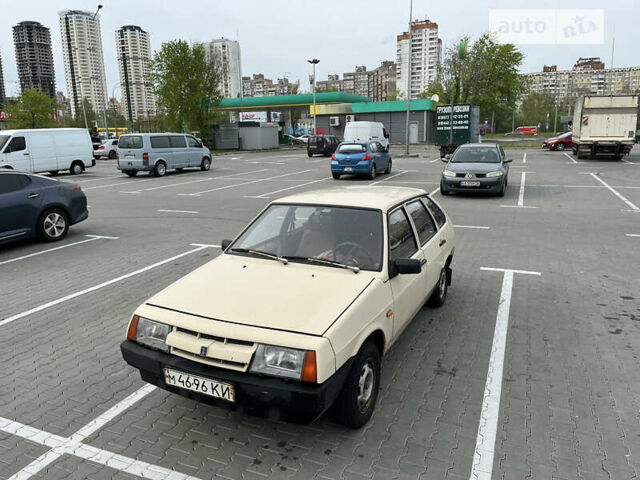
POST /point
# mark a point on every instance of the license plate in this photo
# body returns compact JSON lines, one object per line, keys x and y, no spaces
{"x":469,"y":184}
{"x":129,"y":155}
{"x":198,"y":384}
{"x":348,"y":169}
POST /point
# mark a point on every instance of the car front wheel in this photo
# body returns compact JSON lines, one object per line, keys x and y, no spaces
{"x":560,"y":147}
{"x":336,"y":176}
{"x":439,"y":295}
{"x":357,"y":400}
{"x":205,"y":164}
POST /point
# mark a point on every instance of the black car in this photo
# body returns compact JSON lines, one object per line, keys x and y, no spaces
{"x":32,"y":205}
{"x":324,"y":144}
{"x":480,"y":167}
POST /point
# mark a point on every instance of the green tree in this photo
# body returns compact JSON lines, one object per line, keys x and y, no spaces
{"x":31,"y":109}
{"x":187,"y":85}
{"x":486,"y":74}
{"x":535,"y":107}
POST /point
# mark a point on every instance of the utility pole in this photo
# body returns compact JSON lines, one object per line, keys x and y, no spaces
{"x":406,"y":147}
{"x":314,"y":62}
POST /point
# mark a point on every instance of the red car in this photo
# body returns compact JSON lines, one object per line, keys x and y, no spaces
{"x":562,"y":142}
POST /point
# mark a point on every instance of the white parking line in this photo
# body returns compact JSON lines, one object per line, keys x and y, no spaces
{"x":633,"y":235}
{"x":472,"y":226}
{"x":266,"y":195}
{"x":91,"y":239}
{"x":434,"y":191}
{"x":130,"y":182}
{"x":627,"y":161}
{"x":524,"y":157}
{"x":570,"y":157}
{"x":434,"y":160}
{"x":204,"y":245}
{"x":96,"y":287}
{"x":521,"y":194}
{"x":482,"y":465}
{"x":616,"y":193}
{"x":196,"y":194}
{"x":74,"y":445}
{"x":82,"y":182}
{"x":389,"y":178}
{"x":178,"y":211}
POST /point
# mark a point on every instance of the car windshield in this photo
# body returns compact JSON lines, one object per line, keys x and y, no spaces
{"x":130,"y":141}
{"x":3,"y":140}
{"x":352,"y":148}
{"x":350,"y":236}
{"x":565,"y":135}
{"x":476,"y":155}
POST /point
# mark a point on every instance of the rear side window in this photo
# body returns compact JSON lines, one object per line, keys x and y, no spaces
{"x":402,"y":243}
{"x":422,"y":220}
{"x":12,"y":183}
{"x":178,"y":141}
{"x":130,"y":141}
{"x":352,"y":148}
{"x":115,"y":143}
{"x":438,"y":214}
{"x":160,"y":142}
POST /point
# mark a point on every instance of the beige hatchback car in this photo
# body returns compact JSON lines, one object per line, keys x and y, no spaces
{"x":297,"y":312}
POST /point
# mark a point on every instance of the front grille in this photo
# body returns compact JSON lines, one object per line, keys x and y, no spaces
{"x":211,"y":349}
{"x":474,"y":175}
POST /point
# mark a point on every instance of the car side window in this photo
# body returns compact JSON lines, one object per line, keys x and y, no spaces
{"x":374,"y":147}
{"x":402,"y":242}
{"x":12,"y":183}
{"x":437,"y":212}
{"x":16,"y":144}
{"x":422,"y":220}
{"x":160,"y":142}
{"x":178,"y":141}
{"x":380,"y":147}
{"x":192,"y":142}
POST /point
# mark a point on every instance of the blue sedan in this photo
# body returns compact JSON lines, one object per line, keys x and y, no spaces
{"x":32,"y":205}
{"x":366,"y":158}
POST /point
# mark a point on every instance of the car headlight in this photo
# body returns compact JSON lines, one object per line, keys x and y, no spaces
{"x":497,"y":173}
{"x":149,"y":333}
{"x":449,"y":173}
{"x":284,"y":362}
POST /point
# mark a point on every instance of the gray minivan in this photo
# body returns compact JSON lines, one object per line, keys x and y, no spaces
{"x":157,"y":152}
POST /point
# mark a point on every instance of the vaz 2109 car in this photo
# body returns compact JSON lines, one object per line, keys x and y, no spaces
{"x":297,"y":312}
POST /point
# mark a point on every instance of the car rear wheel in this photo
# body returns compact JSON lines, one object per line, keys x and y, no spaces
{"x":560,"y":147}
{"x":76,"y":168}
{"x":160,"y":169}
{"x":205,"y":164}
{"x":53,"y":225}
{"x":372,"y":172}
{"x":439,"y":295}
{"x":357,"y":400}
{"x":112,"y":155}
{"x":388,"y":170}
{"x":131,"y":173}
{"x":336,"y":176}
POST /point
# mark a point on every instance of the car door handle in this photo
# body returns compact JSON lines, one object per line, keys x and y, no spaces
{"x":33,"y":195}
{"x":442,"y":242}
{"x":423,"y":261}
{"x":25,"y":154}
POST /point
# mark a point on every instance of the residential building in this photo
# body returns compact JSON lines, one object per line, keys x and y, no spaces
{"x":258,"y":86}
{"x":382,"y":82}
{"x":34,"y":58}
{"x":426,"y":56}
{"x":83,"y":59}
{"x":587,"y":77}
{"x":2,"y":91}
{"x":134,"y":60}
{"x":64,"y":106}
{"x":356,"y":82}
{"x":377,"y":84}
{"x":226,"y":55}
{"x":331,"y":84}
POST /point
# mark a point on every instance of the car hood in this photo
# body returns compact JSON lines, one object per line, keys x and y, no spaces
{"x":258,"y":292}
{"x":552,"y":140}
{"x":473,"y":167}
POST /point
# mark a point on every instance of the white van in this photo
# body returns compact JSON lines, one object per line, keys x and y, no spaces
{"x":46,"y":150}
{"x":366,"y":132}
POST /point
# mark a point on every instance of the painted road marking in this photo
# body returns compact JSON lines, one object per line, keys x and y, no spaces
{"x":130,"y":182}
{"x":204,"y":245}
{"x":524,"y":157}
{"x":74,"y":445}
{"x":196,"y":194}
{"x":482,"y":465}
{"x":472,"y":226}
{"x":91,"y":239}
{"x":389,"y":178}
{"x":434,"y":191}
{"x":96,"y":287}
{"x":633,"y":235}
{"x":267,"y":195}
{"x":521,"y":194}
{"x":616,"y":193}
{"x":570,"y":157}
{"x":177,"y":211}
{"x":627,"y":161}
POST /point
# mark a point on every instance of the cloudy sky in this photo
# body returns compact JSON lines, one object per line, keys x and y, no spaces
{"x":276,"y":37}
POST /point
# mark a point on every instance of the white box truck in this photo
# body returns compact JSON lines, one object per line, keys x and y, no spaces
{"x":46,"y":150}
{"x":605,"y":125}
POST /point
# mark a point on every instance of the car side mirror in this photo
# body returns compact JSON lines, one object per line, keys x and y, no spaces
{"x":445,"y":159}
{"x":225,"y":244}
{"x":404,"y":266}
{"x":508,"y":160}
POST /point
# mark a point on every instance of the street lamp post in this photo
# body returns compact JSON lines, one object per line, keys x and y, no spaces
{"x":406,"y":149}
{"x":314,"y":62}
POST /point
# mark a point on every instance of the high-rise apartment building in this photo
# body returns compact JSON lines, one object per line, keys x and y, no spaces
{"x":226,"y":55}
{"x":134,"y":59}
{"x":34,"y":58}
{"x":258,"y":86}
{"x":356,"y":82}
{"x":382,"y":81}
{"x":426,"y":56}
{"x":2,"y":92}
{"x":83,"y":59}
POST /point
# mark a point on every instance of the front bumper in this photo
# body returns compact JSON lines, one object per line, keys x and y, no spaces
{"x":493,"y":184}
{"x":351,"y":168}
{"x":256,"y":394}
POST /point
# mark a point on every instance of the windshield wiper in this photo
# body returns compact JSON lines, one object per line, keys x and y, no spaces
{"x":326,"y":262}
{"x":261,"y":253}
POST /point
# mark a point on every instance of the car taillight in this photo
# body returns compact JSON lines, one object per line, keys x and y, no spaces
{"x":366,"y":157}
{"x":101,"y":147}
{"x":333,"y":157}
{"x":77,"y":187}
{"x":145,"y":156}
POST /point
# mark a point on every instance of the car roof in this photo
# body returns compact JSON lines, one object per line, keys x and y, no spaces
{"x":378,"y":197}
{"x":365,"y":143}
{"x":468,"y":145}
